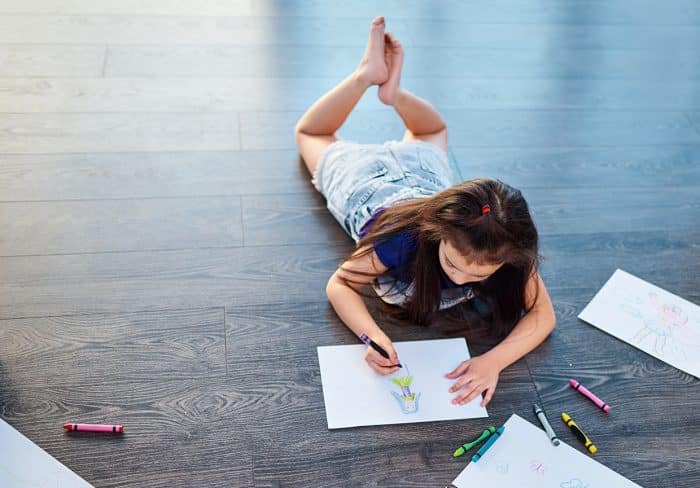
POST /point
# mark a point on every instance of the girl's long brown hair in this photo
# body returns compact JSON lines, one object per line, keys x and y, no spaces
{"x":505,"y":235}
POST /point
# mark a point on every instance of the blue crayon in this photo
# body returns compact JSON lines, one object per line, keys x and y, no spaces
{"x":494,"y":437}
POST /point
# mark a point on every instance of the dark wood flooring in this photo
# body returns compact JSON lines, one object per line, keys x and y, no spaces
{"x":163,"y":256}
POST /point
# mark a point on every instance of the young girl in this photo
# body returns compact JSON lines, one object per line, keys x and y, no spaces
{"x":424,"y":243}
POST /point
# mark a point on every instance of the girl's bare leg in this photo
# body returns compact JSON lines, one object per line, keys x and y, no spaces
{"x":423,"y":122}
{"x":316,"y":129}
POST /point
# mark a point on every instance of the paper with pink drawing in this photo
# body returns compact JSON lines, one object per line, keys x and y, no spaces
{"x":650,"y":318}
{"x":354,"y":395}
{"x":523,"y":457}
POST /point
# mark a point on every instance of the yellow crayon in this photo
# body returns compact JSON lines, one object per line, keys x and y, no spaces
{"x":580,"y":435}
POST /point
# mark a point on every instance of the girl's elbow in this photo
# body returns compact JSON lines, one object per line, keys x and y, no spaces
{"x":552,"y":321}
{"x":330,"y":286}
{"x":333,"y":286}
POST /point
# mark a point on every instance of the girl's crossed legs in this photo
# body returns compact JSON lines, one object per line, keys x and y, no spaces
{"x":380,"y":65}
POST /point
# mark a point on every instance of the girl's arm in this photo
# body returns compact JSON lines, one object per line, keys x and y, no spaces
{"x":480,"y":374}
{"x":348,"y":304}
{"x":532,"y":329}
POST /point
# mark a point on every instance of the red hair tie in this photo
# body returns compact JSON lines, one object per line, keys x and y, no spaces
{"x":485,"y":209}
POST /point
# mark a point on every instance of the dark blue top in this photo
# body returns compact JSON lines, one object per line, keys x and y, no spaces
{"x":398,"y":252}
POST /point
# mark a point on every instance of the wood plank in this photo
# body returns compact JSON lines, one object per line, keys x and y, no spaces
{"x":62,"y":227}
{"x":583,"y":167}
{"x":583,"y":211}
{"x":96,"y":350}
{"x":293,"y":61}
{"x":139,"y":175}
{"x":176,"y":432}
{"x":590,"y":260}
{"x":120,"y":282}
{"x":171,"y":29}
{"x":478,"y":128}
{"x":289,"y":219}
{"x":542,"y":36}
{"x":111,"y":132}
{"x":51,"y":60}
{"x":568,"y":128}
{"x":30,"y":95}
{"x":677,"y":12}
{"x":131,"y":7}
{"x":148,"y":29}
{"x":593,"y":12}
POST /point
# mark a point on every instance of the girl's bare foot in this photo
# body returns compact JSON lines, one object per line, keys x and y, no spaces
{"x":393,"y":56}
{"x":372,"y":69}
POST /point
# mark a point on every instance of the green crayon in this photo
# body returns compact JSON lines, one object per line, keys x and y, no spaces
{"x":484,"y":435}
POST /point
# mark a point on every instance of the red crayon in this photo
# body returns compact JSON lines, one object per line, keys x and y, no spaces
{"x":585,"y":392}
{"x":115,"y":429}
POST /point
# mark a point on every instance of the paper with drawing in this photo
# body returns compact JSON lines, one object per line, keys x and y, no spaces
{"x":650,"y":318}
{"x":355,"y":395}
{"x":523,"y":457}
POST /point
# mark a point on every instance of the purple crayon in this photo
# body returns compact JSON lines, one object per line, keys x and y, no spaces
{"x":365,"y":338}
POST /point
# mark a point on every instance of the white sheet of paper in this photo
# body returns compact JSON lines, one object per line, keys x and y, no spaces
{"x":650,"y":318}
{"x":523,"y":457}
{"x":355,"y":395}
{"x":24,"y":464}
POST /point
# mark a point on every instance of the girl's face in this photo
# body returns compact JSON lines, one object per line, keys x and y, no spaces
{"x":461,"y":271}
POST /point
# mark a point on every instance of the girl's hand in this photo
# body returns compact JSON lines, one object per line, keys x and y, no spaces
{"x":476,"y":375}
{"x":379,"y":363}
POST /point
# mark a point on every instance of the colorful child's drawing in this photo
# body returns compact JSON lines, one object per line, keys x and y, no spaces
{"x":664,"y":325}
{"x":407,"y":400}
{"x":650,"y":318}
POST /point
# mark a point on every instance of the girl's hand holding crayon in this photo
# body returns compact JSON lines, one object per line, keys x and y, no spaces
{"x":381,"y":364}
{"x":475,"y":376}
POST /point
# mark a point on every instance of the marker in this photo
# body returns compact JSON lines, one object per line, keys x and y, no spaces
{"x":545,"y":423}
{"x":488,"y":444}
{"x":585,"y":392}
{"x":115,"y":429}
{"x":464,"y":448}
{"x":364,"y":338}
{"x":580,"y":435}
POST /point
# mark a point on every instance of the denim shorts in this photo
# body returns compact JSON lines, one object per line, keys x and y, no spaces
{"x":356,"y":179}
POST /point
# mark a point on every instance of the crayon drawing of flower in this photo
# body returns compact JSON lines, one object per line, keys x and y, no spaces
{"x":407,"y":400}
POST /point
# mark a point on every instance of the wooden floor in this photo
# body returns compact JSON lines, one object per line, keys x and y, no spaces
{"x":163,"y":256}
